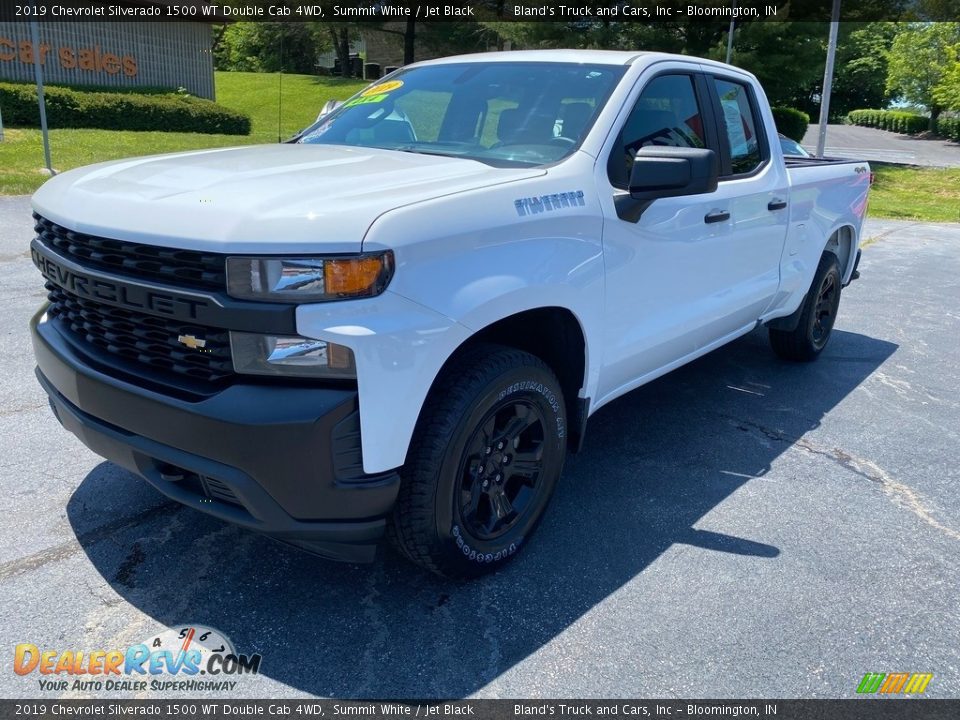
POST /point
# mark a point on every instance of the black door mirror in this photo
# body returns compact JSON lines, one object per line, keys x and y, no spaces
{"x":663,"y":171}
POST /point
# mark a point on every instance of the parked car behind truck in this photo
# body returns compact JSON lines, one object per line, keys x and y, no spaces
{"x":401,"y":321}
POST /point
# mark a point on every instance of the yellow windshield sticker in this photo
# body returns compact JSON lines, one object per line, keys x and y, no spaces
{"x":382,"y":88}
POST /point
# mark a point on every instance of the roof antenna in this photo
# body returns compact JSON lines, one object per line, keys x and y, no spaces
{"x":280,"y":89}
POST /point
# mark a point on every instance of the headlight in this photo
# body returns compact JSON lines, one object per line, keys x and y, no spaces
{"x":256,"y":354}
{"x":308,"y":279}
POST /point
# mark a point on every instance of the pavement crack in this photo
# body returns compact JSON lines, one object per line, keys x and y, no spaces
{"x":78,"y":543}
{"x":378,"y":630}
{"x":900,"y":493}
{"x":881,"y":235}
{"x":491,"y":635}
{"x":22,"y":408}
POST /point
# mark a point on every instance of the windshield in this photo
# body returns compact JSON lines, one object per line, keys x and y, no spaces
{"x":501,"y":113}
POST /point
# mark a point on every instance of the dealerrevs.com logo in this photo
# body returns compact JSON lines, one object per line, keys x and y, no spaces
{"x":191,"y":658}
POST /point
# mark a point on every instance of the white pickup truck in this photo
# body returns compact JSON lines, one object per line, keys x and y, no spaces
{"x":399,"y":321}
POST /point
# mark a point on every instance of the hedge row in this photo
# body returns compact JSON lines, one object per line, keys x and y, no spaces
{"x":790,"y":122}
{"x":67,"y":108}
{"x":897,"y":121}
{"x":949,"y":127}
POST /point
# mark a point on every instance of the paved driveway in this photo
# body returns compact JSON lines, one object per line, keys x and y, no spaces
{"x":741,"y":527}
{"x":871,"y":144}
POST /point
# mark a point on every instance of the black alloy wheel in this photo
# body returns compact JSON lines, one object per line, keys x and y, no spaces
{"x":501,"y":468}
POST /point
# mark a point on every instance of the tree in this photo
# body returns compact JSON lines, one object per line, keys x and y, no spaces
{"x":409,"y":35}
{"x":919,"y":65}
{"x":340,"y":33}
{"x":787,"y":57}
{"x":860,"y":80}
{"x":269,"y":47}
{"x":947,"y":91}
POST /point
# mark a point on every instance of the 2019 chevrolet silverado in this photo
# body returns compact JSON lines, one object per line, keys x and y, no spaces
{"x":399,"y":321}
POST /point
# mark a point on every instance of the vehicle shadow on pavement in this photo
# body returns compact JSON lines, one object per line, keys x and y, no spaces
{"x":655,"y":463}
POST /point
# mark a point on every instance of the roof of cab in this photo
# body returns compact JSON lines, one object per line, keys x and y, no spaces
{"x":596,"y":57}
{"x":593,"y":57}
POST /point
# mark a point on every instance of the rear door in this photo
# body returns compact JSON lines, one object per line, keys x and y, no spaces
{"x":754,"y":188}
{"x":691,"y":270}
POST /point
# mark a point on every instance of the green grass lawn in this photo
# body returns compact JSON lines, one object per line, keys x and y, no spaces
{"x":913,"y":193}
{"x":256,"y":94}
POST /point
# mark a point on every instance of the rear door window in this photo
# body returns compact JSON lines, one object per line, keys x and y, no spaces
{"x":740,"y":126}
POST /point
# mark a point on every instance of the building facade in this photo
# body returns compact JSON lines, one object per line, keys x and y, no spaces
{"x":113,"y":54}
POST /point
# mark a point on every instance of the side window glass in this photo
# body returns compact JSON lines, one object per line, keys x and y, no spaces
{"x":666,"y":113}
{"x":738,"y":122}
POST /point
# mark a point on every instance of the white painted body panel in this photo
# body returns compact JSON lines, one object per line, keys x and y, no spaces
{"x":824,"y":201}
{"x":263,"y":199}
{"x":648,"y":298}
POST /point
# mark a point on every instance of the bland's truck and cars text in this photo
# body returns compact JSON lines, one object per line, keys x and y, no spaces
{"x":399,"y":321}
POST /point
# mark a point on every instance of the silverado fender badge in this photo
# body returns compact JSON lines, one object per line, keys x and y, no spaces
{"x":548,"y":203}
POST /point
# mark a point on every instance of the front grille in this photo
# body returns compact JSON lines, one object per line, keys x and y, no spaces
{"x":169,"y":265}
{"x":142,"y":338}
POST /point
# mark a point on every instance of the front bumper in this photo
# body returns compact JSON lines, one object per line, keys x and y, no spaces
{"x":282,"y":460}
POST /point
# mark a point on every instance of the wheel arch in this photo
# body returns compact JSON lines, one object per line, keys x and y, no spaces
{"x":556,"y":336}
{"x":842,"y":242}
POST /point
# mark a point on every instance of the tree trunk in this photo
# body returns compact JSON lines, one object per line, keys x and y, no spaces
{"x":347,"y":70}
{"x":934,"y":115}
{"x":409,"y":40}
{"x":341,"y":43}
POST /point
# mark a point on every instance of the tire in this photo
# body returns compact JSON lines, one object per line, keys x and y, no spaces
{"x":483,"y":462}
{"x":805,"y":342}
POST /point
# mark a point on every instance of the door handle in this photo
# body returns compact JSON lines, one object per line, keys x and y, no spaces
{"x":716,"y":216}
{"x":777,"y":204}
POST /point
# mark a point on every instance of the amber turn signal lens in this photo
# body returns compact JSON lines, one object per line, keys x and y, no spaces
{"x":349,"y":277}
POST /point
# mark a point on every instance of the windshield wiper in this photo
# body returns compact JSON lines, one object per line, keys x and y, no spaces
{"x":420,"y":151}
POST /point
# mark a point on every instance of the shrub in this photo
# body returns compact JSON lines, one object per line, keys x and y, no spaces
{"x":949,"y":127}
{"x":899,"y":121}
{"x":792,"y":123}
{"x":69,"y":108}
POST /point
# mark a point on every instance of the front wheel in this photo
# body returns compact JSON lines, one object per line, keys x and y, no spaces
{"x":809,"y":338}
{"x":483,"y":462}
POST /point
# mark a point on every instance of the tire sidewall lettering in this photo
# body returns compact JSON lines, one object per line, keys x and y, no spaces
{"x":545,"y":392}
{"x":479,"y":556}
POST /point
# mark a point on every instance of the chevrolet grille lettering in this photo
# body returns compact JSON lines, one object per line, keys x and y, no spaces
{"x":107,"y":290}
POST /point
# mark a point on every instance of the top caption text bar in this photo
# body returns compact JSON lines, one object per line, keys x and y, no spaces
{"x":478,"y":10}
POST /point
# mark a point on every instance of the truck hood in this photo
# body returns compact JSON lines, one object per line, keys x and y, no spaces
{"x":268,"y":198}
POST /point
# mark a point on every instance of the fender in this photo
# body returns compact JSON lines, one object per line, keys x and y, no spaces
{"x":463,"y":262}
{"x":797,"y":269}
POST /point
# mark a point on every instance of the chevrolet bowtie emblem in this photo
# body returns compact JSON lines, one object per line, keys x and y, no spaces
{"x":191,"y":341}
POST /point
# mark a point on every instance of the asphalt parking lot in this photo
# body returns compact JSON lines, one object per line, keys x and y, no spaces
{"x":871,"y":144}
{"x":742,"y":527}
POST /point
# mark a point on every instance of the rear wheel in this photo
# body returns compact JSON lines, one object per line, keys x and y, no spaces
{"x":483,"y":463}
{"x":809,"y":338}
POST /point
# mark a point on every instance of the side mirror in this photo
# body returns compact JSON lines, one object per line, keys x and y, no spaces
{"x":328,"y":107}
{"x":661,"y":171}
